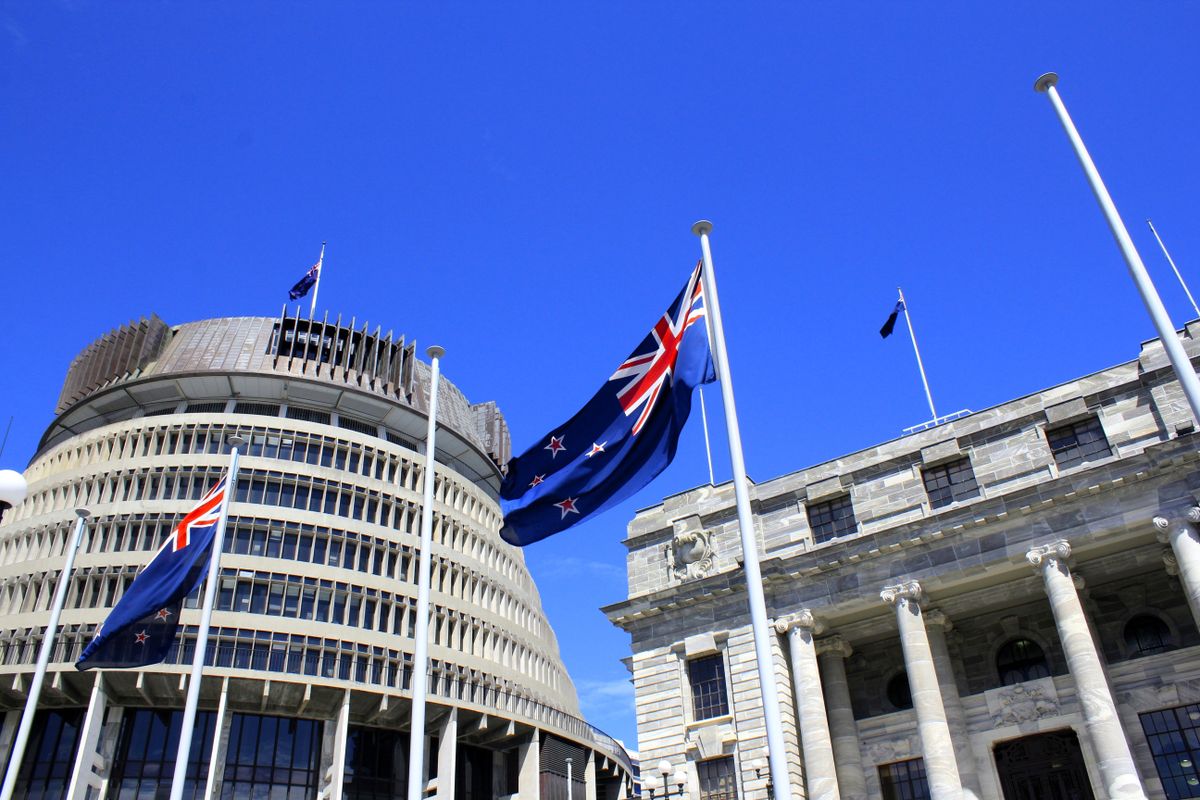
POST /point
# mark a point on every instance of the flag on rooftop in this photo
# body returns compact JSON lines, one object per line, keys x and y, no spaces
{"x":141,"y":627}
{"x":304,"y":284}
{"x":622,"y":438}
{"x":890,"y":325}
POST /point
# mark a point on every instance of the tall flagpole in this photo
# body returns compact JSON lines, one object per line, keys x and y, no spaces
{"x":312,"y":310}
{"x":1162,"y":322}
{"x":1171,"y":261}
{"x":920,"y":364}
{"x":707,"y":447}
{"x":741,"y":490}
{"x":39,"y":673}
{"x":416,"y":736}
{"x":210,"y":596}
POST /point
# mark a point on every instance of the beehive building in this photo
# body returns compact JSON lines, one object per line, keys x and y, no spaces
{"x":307,"y":693}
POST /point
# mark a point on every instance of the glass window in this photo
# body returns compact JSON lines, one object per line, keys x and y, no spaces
{"x":1146,"y":635}
{"x":1174,"y":738}
{"x":904,"y":780}
{"x":49,"y":757}
{"x":950,"y":482}
{"x":707,"y":677}
{"x":376,"y":764}
{"x":1078,"y":442}
{"x":1021,"y":660}
{"x":272,"y":757}
{"x":717,"y":781}
{"x":832,"y":518}
{"x":145,"y":757}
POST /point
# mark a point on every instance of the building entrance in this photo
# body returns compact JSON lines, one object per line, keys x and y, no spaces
{"x":1047,"y":766}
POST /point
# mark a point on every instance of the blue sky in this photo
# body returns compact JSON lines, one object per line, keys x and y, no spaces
{"x":516,"y":182}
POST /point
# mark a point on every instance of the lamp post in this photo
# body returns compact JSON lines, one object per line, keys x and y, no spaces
{"x":12,"y":489}
{"x":664,"y":768}
{"x":759,"y":765}
{"x":570,"y":778}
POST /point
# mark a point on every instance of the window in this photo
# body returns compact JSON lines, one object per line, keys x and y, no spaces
{"x":717,"y":779}
{"x":272,"y":756}
{"x":351,"y":424}
{"x":1078,"y":442}
{"x":215,"y":407}
{"x":904,"y":780}
{"x":262,"y":409}
{"x":145,"y":756}
{"x":899,"y":693}
{"x":707,"y":676}
{"x":950,"y":482}
{"x":831,"y":519}
{"x":1174,"y":738}
{"x":376,"y":764}
{"x":1146,"y":635}
{"x":46,"y":768}
{"x":1021,"y":660}
{"x":308,"y":414}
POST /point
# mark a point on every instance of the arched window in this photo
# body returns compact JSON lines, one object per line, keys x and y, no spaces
{"x":1021,"y":660}
{"x":898,"y":692}
{"x":1146,"y":635}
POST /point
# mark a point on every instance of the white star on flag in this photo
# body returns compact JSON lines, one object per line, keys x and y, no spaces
{"x":596,"y":448}
{"x":142,"y":637}
{"x":567,"y":506}
{"x":536,"y":480}
{"x":162,"y":615}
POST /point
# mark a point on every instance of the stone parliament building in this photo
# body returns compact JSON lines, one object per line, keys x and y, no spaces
{"x":1001,"y":607}
{"x":307,"y":690}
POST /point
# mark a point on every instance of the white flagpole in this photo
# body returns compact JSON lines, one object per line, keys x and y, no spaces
{"x":1137,"y":270}
{"x":39,"y":673}
{"x":312,"y":310}
{"x":920,"y":365}
{"x":210,"y":596}
{"x":416,"y":736}
{"x":1171,"y":261}
{"x":707,"y":447}
{"x":758,"y":608}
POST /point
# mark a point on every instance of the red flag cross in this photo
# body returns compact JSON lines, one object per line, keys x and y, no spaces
{"x":206,"y":513}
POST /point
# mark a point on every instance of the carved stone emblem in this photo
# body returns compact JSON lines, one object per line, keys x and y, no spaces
{"x":1022,"y":702}
{"x":691,"y":550}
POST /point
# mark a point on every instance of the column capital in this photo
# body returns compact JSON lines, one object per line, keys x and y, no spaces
{"x":802,"y":619}
{"x":1046,"y":553}
{"x":908,"y":590}
{"x":938,"y":617}
{"x":1193,"y":515}
{"x":835,"y":645}
{"x":1170,"y":562}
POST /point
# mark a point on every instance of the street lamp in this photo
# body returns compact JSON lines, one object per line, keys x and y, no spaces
{"x":759,"y":765}
{"x":12,"y":489}
{"x":664,"y":768}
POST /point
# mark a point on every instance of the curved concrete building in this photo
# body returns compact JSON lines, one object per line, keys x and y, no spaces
{"x":307,"y":693}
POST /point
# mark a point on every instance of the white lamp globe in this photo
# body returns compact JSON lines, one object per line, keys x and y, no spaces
{"x":12,"y":487}
{"x":664,"y":767}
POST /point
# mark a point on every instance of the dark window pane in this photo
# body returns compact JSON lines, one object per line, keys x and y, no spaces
{"x":904,"y":780}
{"x":1146,"y":635}
{"x":717,"y":781}
{"x":1021,"y":660}
{"x":1078,"y":442}
{"x":707,"y":677}
{"x":831,"y":519}
{"x":950,"y":482}
{"x":1171,"y":734}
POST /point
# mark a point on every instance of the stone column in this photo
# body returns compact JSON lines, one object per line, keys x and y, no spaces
{"x":529,"y":778}
{"x":82,"y":776}
{"x":1185,"y":546}
{"x":337,"y":779}
{"x":1117,"y":768}
{"x":937,"y":625}
{"x":832,"y":652}
{"x":820,"y":768}
{"x":937,"y":745}
{"x":447,"y":772}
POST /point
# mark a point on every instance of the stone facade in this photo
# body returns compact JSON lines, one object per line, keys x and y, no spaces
{"x":311,"y":650}
{"x":1033,"y":568}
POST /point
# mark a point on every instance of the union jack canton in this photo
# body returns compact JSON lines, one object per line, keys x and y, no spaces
{"x":625,"y":435}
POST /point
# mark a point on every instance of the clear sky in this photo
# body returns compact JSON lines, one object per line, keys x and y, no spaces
{"x":516,"y":182}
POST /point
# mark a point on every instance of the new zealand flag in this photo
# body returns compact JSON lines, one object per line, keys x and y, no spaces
{"x":141,"y":628}
{"x":622,"y":438}
{"x":304,"y":284}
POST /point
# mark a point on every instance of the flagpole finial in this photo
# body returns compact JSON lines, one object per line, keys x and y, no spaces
{"x":702,"y":227}
{"x":82,"y":513}
{"x":434,"y":351}
{"x":236,"y":441}
{"x":1045,"y":81}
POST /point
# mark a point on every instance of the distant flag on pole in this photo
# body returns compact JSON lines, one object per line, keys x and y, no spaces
{"x":307,"y":282}
{"x":141,"y":628}
{"x":888,"y":326}
{"x":622,"y":438}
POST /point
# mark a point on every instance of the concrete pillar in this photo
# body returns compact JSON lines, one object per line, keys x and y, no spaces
{"x":529,"y":780}
{"x":89,"y":740}
{"x":1185,"y":547}
{"x":447,"y":756}
{"x":220,"y":744}
{"x":589,"y":776}
{"x":1117,"y":768}
{"x":832,"y":652}
{"x":8,"y":729}
{"x":820,"y":767}
{"x":937,"y":745}
{"x":937,"y":625}
{"x":337,"y":780}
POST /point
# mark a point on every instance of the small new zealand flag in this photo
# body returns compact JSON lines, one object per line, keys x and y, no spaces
{"x":886,"y":330}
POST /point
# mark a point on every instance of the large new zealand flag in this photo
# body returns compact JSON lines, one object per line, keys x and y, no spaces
{"x":622,"y":438}
{"x":141,"y":627}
